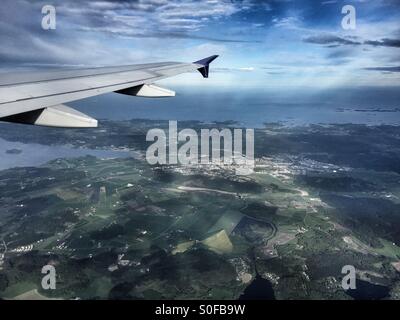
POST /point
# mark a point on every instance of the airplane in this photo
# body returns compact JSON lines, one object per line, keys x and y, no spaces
{"x":37,"y":98}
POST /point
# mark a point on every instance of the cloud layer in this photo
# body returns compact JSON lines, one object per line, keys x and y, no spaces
{"x":275,"y":42}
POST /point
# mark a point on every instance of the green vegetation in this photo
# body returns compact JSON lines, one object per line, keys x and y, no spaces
{"x":119,"y":228}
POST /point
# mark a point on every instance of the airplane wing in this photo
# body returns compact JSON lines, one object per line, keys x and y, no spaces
{"x":37,"y":98}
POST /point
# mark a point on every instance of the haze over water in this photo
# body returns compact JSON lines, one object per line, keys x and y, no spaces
{"x":254,"y":107}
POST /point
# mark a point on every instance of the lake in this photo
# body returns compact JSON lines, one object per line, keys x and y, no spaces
{"x":259,"y":289}
{"x":33,"y":154}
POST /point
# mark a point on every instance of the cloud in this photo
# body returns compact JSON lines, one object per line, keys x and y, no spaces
{"x":248,"y":34}
{"x":331,"y":41}
{"x":328,"y":2}
{"x":384,"y":69}
{"x":241,"y":69}
{"x":112,"y":32}
{"x":395,"y":43}
{"x":128,"y":33}
{"x":291,"y":22}
{"x":148,"y":18}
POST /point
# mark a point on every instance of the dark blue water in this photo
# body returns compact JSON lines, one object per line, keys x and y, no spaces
{"x":368,"y":291}
{"x":259,"y":289}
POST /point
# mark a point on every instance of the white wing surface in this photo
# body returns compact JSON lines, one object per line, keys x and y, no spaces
{"x":37,"y":97}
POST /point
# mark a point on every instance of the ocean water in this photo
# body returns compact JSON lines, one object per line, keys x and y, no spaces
{"x":251,"y":108}
{"x":254,"y":107}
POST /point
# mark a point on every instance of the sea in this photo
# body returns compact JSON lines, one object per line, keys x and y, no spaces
{"x":249,"y":107}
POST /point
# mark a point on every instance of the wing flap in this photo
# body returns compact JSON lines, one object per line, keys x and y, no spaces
{"x":148,"y":91}
{"x":60,"y":116}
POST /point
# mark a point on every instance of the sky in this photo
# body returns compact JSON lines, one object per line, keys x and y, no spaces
{"x":262,"y":44}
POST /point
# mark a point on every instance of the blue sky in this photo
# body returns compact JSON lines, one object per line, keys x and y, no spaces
{"x":271,"y":44}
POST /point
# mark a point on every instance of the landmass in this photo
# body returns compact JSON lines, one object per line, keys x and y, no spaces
{"x":321,"y":197}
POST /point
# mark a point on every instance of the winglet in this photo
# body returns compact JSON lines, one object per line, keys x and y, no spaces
{"x":204,"y":70}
